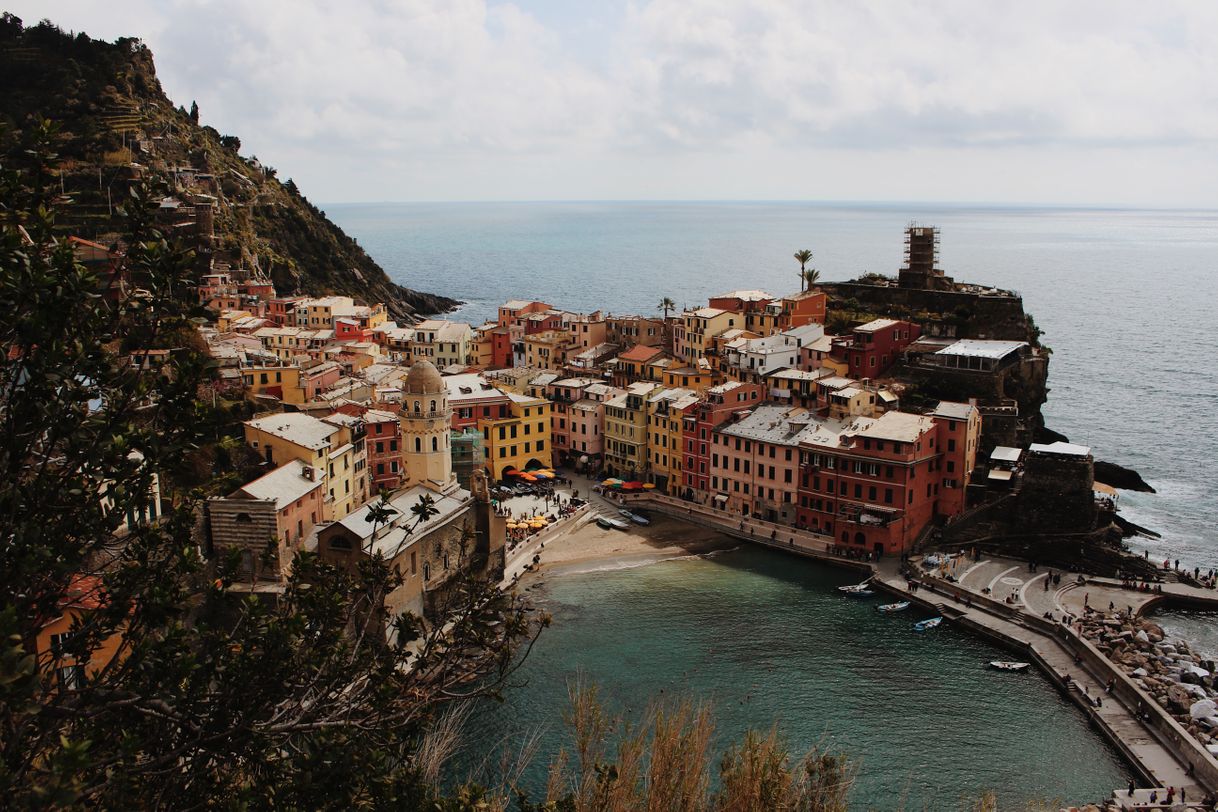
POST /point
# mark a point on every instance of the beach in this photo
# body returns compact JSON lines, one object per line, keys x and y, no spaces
{"x":588,"y":547}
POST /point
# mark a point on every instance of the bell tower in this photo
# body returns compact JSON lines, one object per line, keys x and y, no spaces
{"x":426,"y":417}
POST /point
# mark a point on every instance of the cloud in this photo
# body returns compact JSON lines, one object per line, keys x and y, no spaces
{"x":403,"y":99}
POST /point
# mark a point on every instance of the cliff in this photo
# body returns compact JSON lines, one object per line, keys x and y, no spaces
{"x":116,"y":125}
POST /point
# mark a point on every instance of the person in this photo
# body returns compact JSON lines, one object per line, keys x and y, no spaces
{"x":1130,"y":787}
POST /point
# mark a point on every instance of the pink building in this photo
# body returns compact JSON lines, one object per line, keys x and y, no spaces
{"x":586,"y":425}
{"x":755,"y":462}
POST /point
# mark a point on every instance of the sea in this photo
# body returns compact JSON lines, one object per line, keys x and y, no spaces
{"x":1127,"y":300}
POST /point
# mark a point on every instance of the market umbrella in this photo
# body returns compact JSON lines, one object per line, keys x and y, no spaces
{"x":649,"y":486}
{"x":633,"y":486}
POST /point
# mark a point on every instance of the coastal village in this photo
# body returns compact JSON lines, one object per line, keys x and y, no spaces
{"x":912,"y":426}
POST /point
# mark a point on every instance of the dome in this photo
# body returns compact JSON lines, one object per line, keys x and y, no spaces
{"x":423,"y":379}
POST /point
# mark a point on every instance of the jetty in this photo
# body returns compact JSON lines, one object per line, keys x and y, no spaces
{"x":1154,"y":743}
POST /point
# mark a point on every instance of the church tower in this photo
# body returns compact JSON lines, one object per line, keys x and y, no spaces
{"x":426,"y":416}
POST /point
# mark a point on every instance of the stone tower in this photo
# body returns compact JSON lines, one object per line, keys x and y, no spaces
{"x":426,"y":450}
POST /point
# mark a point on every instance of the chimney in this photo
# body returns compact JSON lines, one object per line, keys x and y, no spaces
{"x":308,"y":473}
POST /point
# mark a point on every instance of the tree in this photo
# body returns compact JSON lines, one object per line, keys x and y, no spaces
{"x":803,"y":257}
{"x":194,"y":112}
{"x":187,"y":691}
{"x":811,"y":276}
{"x":667,"y":305}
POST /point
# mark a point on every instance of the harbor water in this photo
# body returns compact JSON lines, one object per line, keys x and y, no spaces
{"x":767,"y":639}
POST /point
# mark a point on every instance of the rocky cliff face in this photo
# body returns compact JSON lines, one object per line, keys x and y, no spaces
{"x":116,"y":126}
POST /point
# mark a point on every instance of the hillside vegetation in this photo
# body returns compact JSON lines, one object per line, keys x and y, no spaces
{"x":115,"y":124}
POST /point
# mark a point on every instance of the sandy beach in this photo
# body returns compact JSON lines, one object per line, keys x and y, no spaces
{"x":590,"y":547}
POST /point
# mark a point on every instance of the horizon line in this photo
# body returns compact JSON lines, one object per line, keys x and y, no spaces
{"x":1130,"y":207}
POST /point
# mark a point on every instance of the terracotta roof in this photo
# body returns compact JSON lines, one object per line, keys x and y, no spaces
{"x":640,"y":352}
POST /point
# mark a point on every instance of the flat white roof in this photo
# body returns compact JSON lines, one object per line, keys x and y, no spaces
{"x":1004,"y":453}
{"x":875,"y":324}
{"x":977,"y":348}
{"x":953,"y":410}
{"x":1067,"y":449}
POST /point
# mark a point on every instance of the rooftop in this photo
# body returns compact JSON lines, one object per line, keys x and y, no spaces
{"x":875,"y":324}
{"x":745,"y":295}
{"x":1060,"y":448}
{"x":977,"y":348}
{"x":297,"y":428}
{"x":284,"y":485}
{"x":954,"y":411}
{"x":902,"y":427}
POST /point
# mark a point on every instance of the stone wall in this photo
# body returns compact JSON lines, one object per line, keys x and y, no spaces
{"x":1056,"y":493}
{"x":975,"y":315}
{"x":246,"y":525}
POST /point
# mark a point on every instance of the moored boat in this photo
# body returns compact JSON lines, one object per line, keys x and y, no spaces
{"x":1008,"y":665}
{"x":637,"y":518}
{"x":889,"y":608}
{"x":928,"y":624}
{"x":857,"y":589}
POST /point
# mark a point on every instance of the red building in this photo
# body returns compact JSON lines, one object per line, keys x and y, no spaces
{"x":698,"y":426}
{"x":874,"y":484}
{"x":873,"y":347}
{"x":282,"y":310}
{"x":384,"y":444}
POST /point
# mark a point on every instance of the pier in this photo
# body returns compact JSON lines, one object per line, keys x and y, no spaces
{"x":1161,"y":751}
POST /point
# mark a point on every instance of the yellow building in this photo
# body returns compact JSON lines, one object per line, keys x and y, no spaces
{"x":689,"y":378}
{"x":333,"y":448}
{"x":319,"y":313}
{"x":626,"y":431}
{"x":695,"y":330}
{"x":549,"y":349}
{"x":290,"y":383}
{"x":665,"y":410}
{"x":444,"y":343}
{"x":520,"y":441}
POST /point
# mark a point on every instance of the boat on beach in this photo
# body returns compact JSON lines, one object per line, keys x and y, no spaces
{"x":637,"y":518}
{"x":1008,"y":665}
{"x":928,"y":624}
{"x":890,"y":608}
{"x":610,"y":523}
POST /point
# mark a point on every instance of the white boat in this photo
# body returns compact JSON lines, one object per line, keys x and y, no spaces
{"x":1008,"y":665}
{"x":857,"y":589}
{"x":928,"y":624}
{"x":889,"y":608}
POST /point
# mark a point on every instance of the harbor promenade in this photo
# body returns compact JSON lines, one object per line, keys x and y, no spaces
{"x":1149,"y":738}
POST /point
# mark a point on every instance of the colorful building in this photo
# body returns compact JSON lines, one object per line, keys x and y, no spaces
{"x":875,"y":346}
{"x":521,"y":440}
{"x":666,"y":410}
{"x":626,"y":431}
{"x":267,"y":521}
{"x":334,"y":445}
{"x":715,"y":407}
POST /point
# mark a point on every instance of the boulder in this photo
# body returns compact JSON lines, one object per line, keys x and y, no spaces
{"x":1142,"y":636}
{"x":1202,"y":708}
{"x":1178,"y":699}
{"x":1140,"y":672}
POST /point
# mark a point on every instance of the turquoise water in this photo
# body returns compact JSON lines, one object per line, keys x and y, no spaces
{"x":767,"y":639}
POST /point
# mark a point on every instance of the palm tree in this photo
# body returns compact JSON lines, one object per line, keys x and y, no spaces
{"x":667,"y":305}
{"x":811,"y":276}
{"x":803,"y":258}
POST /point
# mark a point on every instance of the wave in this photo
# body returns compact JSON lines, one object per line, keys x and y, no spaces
{"x":635,"y":563}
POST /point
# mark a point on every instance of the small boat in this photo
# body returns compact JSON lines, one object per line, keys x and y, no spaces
{"x":857,"y":589}
{"x":616,"y":524}
{"x":928,"y":624}
{"x":889,"y":608}
{"x":637,"y":518}
{"x":603,"y":522}
{"x":1008,"y":665}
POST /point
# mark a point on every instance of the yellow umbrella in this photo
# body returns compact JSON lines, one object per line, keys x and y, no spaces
{"x":649,"y":486}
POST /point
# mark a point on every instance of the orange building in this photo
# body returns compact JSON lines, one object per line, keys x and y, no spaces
{"x":64,"y":670}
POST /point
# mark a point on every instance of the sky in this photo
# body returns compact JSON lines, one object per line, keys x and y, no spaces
{"x":1088,"y":102}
